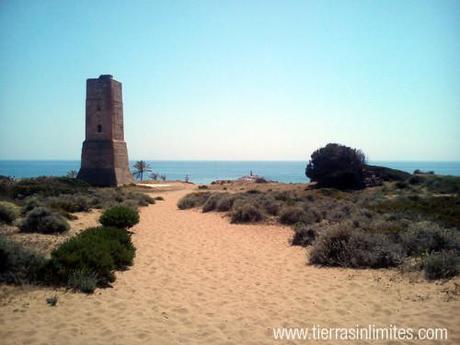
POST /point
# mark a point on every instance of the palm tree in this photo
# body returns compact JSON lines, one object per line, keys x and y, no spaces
{"x":141,"y":168}
{"x":72,"y":173}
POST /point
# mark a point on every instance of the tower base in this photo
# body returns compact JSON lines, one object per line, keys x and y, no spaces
{"x":105,"y":163}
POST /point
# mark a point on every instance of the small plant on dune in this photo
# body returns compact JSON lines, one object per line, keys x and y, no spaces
{"x":225,"y":203}
{"x":441,"y":265}
{"x":192,"y":200}
{"x":47,"y":186}
{"x":210,"y":204}
{"x":70,"y":203}
{"x":246,"y":213}
{"x":159,"y":198}
{"x":30,"y":203}
{"x":119,"y":217}
{"x":18,"y":265}
{"x":427,"y":237}
{"x":95,"y":252}
{"x":341,"y":245}
{"x":43,"y":220}
{"x":82,"y":280}
{"x":294,"y":214}
{"x":203,"y":187}
{"x":8,"y":212}
{"x":304,"y":235}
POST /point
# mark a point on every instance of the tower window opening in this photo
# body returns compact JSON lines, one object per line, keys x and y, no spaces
{"x":99,"y":128}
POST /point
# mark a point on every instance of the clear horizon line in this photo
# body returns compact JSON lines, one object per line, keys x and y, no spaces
{"x":231,"y":160}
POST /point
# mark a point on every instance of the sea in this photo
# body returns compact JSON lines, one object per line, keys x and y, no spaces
{"x":202,"y":172}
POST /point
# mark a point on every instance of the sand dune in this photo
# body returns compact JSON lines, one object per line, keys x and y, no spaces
{"x":199,"y":280}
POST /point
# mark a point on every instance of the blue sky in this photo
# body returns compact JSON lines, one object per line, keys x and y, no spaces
{"x":268,"y":80}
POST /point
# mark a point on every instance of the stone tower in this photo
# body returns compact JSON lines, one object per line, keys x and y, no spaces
{"x":104,"y":157}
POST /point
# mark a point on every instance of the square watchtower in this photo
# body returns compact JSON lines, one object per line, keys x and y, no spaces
{"x":104,"y":158}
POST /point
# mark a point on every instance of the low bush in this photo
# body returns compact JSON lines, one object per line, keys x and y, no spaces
{"x":203,"y":187}
{"x":427,"y":237}
{"x":8,"y":212}
{"x":225,"y":203}
{"x":94,"y":252}
{"x":30,"y":203}
{"x":82,"y":280}
{"x":445,"y":209}
{"x":193,"y":200}
{"x":443,"y":184}
{"x":43,"y":220}
{"x":159,"y":198}
{"x":246,"y":213}
{"x":141,"y":199}
{"x":341,"y":245}
{"x":211,"y":203}
{"x":70,"y":203}
{"x":304,"y":235}
{"x":18,"y":265}
{"x":119,"y":217}
{"x":47,"y":186}
{"x":441,"y":265}
{"x":295,"y":214}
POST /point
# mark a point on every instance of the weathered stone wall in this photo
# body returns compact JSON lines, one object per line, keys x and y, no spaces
{"x":104,"y":160}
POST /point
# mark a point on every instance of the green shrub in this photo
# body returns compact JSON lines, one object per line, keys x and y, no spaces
{"x":225,"y":203}
{"x":402,"y":185}
{"x":294,"y":214}
{"x":98,"y":250}
{"x":119,"y":217}
{"x":445,"y":209}
{"x":427,"y":237}
{"x":193,"y":200}
{"x":83,"y":280}
{"x":304,"y":235}
{"x":246,"y":213}
{"x":346,"y":247}
{"x":17,"y":264}
{"x":203,"y":187}
{"x":43,"y":220}
{"x":47,"y":186}
{"x":441,"y":265}
{"x":337,"y":166}
{"x":443,"y":184}
{"x":70,"y":203}
{"x":141,"y":199}
{"x":30,"y":203}
{"x":8,"y":212}
{"x":211,"y":202}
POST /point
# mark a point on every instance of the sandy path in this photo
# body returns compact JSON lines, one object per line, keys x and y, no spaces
{"x":199,"y":280}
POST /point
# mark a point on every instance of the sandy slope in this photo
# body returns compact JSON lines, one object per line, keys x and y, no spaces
{"x":199,"y":280}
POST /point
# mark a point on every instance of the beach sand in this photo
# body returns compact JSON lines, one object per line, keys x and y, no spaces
{"x":197,"y":279}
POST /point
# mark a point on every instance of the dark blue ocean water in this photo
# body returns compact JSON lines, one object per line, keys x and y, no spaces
{"x":207,"y":171}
